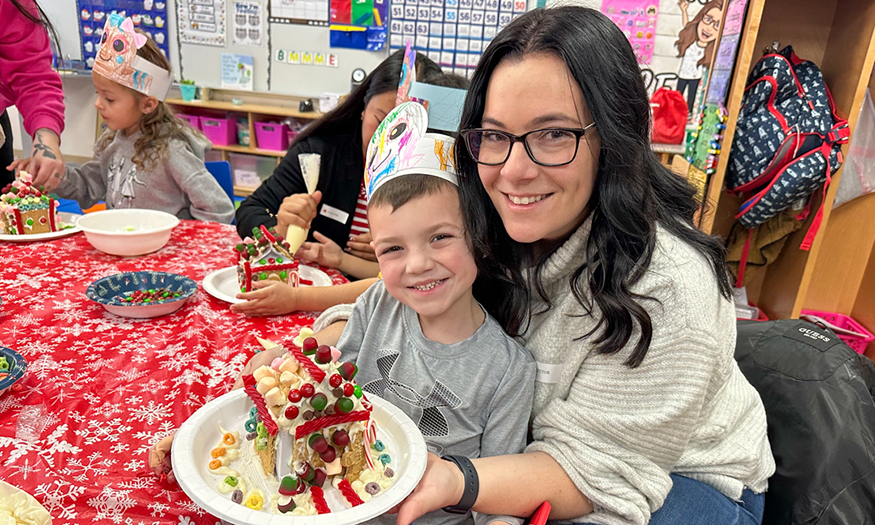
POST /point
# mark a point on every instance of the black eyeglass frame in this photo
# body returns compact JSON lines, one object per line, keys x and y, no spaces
{"x":578,"y":132}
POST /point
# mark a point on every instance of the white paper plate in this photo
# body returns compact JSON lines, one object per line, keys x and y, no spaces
{"x":69,"y":218}
{"x":222,"y":284}
{"x":200,"y":433}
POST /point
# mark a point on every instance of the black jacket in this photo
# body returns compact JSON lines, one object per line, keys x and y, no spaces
{"x":340,"y":179}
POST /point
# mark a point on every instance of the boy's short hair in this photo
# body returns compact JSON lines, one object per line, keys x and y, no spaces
{"x":397,"y":192}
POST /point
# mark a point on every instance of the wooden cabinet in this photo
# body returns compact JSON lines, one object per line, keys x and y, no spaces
{"x":838,"y":273}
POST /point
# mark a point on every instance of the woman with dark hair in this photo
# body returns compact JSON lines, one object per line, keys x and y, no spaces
{"x":341,"y":137}
{"x":641,"y":414}
{"x":335,"y":214}
{"x":28,"y":82}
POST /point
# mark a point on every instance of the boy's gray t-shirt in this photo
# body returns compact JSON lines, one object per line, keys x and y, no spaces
{"x":472,"y":398}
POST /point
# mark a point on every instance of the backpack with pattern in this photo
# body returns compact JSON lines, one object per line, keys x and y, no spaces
{"x":787,"y":141}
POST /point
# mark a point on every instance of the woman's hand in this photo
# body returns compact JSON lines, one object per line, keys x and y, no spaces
{"x":46,"y":162}
{"x":298,"y":210}
{"x":325,"y":252}
{"x":269,"y":298}
{"x":360,"y":246}
{"x":442,"y":485}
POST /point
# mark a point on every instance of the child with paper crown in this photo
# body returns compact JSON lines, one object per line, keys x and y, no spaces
{"x":419,"y":337}
{"x":147,"y":158}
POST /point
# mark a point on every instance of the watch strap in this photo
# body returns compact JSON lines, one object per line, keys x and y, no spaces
{"x":472,"y":485}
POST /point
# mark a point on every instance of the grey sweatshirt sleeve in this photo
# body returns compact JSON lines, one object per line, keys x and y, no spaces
{"x":508,"y":422}
{"x":85,"y":184}
{"x":208,"y":200}
{"x":339,"y":312}
{"x":350,"y":342}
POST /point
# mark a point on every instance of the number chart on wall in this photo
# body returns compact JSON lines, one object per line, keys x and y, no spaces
{"x":453,"y":33}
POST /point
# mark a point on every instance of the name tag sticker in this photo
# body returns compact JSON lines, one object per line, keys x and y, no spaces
{"x":548,"y":374}
{"x":333,"y":213}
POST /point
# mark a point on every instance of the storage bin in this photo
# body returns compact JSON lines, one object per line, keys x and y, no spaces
{"x":293,"y":134}
{"x":220,"y":131}
{"x":249,"y":171}
{"x":848,"y":323}
{"x":213,"y":155}
{"x":193,"y":120}
{"x":272,"y":135}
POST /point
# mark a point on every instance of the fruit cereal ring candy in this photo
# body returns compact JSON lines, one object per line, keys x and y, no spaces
{"x":237,"y":496}
{"x":372,"y":488}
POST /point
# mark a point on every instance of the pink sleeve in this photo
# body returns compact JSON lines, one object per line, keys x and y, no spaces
{"x":27,"y":79}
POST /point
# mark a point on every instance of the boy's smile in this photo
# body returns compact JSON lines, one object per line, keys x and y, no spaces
{"x":427,"y":263}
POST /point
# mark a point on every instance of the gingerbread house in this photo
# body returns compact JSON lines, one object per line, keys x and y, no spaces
{"x":265,"y":257}
{"x":25,"y":210}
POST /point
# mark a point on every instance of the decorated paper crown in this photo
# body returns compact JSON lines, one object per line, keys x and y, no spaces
{"x":401,"y":146}
{"x":117,"y":59}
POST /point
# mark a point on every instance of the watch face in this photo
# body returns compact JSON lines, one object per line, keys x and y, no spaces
{"x":358,"y":75}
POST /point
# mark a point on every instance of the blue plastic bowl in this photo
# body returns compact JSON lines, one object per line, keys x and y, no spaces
{"x":17,"y":367}
{"x":111,"y":291}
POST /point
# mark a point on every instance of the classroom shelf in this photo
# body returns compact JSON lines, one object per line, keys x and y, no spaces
{"x":250,"y":150}
{"x":838,"y":272}
{"x":245,"y":108}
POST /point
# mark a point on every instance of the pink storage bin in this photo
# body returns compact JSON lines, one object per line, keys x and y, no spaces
{"x":293,"y":134}
{"x":848,"y":323}
{"x":272,"y":136}
{"x":193,"y":120}
{"x":220,"y":131}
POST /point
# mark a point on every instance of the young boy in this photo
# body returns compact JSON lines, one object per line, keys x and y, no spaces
{"x":419,"y":338}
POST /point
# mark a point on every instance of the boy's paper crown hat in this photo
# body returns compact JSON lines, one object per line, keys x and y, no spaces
{"x":401,"y":146}
{"x":117,"y":59}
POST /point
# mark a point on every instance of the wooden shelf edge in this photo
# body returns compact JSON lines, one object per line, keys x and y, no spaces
{"x":240,"y":191}
{"x":245,"y":108}
{"x":250,"y":150}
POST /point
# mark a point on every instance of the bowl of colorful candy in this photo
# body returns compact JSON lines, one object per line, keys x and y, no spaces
{"x":128,"y":231}
{"x":142,"y":294}
{"x":12,"y":368}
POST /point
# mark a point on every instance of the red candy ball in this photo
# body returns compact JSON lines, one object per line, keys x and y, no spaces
{"x":323,"y":354}
{"x":310,"y":344}
{"x":341,"y":438}
{"x":348,"y":390}
{"x":335,"y":380}
{"x":291,"y":412}
{"x":328,"y":455}
{"x":320,"y":445}
{"x":294,"y":395}
{"x":308,"y":390}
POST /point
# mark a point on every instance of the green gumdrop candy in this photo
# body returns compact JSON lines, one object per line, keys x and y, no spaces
{"x":344,"y":405}
{"x":288,"y":486}
{"x":319,"y":401}
{"x":358,"y":392}
{"x":240,"y":247}
{"x":283,"y":274}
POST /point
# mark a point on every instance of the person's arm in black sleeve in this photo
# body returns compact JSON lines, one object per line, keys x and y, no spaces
{"x":286,"y":180}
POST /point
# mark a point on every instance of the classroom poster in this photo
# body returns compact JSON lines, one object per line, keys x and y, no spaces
{"x":201,"y":22}
{"x":148,"y":16}
{"x":726,"y":51}
{"x":637,"y":20}
{"x":359,"y":24}
{"x":236,"y":72}
{"x":309,"y":12}
{"x":248,"y":16}
{"x":453,"y":33}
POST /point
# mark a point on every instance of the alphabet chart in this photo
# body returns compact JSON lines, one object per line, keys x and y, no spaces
{"x":453,"y":33}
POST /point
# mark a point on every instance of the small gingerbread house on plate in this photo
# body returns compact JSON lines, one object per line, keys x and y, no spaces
{"x":24,"y":209}
{"x":265,"y":257}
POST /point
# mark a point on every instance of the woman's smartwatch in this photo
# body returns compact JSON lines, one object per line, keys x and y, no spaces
{"x":472,"y":485}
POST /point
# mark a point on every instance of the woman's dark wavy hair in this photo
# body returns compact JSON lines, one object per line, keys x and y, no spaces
{"x":348,"y":115}
{"x":633,"y":192}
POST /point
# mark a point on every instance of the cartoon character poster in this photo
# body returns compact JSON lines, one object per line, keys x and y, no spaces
{"x":637,"y":20}
{"x":696,"y":44}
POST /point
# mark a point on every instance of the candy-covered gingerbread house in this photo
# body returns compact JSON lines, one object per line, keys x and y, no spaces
{"x":266,"y":257}
{"x":24,"y":209}
{"x":327,"y":423}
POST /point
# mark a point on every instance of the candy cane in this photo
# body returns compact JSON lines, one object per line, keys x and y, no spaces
{"x":330,"y":421}
{"x":348,"y":492}
{"x":369,"y":440}
{"x":315,"y":372}
{"x":319,"y":500}
{"x":260,"y":405}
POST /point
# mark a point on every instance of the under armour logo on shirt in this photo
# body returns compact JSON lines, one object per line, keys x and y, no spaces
{"x":432,"y":422}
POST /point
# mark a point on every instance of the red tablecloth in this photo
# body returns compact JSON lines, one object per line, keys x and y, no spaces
{"x":101,"y":389}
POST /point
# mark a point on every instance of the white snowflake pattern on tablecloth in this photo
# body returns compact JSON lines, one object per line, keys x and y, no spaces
{"x":150,"y":413}
{"x":164,"y":429}
{"x":26,"y":469}
{"x":54,"y":498}
{"x":80,"y":469}
{"x":135,"y":465}
{"x":103,"y":431}
{"x":158,"y":509}
{"x":45,"y":364}
{"x":188,"y":377}
{"x":220,"y":371}
{"x":112,"y":504}
{"x":45,"y":448}
{"x":35,"y":348}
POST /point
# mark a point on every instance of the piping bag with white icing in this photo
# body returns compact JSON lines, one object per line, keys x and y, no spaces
{"x":310,"y":165}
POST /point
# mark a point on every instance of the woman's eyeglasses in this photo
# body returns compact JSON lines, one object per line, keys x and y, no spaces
{"x":711,"y":22}
{"x":547,"y":147}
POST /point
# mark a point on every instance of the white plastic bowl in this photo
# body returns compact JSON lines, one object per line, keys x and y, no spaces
{"x":128,"y":232}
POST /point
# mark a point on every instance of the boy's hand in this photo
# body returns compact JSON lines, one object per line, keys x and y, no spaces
{"x":268,"y":298}
{"x":159,"y":459}
{"x":299,"y":210}
{"x":360,"y":246}
{"x":264,"y":358}
{"x":47,"y":163}
{"x":325,"y":252}
{"x":442,"y":484}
